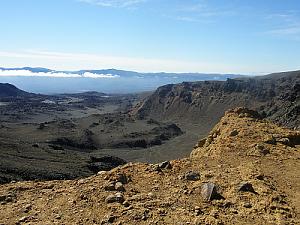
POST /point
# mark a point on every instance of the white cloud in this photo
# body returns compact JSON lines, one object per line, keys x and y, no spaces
{"x":28,"y":73}
{"x":94,"y":75}
{"x":114,"y":3}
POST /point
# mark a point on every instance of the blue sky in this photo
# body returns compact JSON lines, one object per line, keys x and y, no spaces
{"x":225,"y":36}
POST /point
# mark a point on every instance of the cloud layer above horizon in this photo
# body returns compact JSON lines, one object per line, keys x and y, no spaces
{"x":28,"y":73}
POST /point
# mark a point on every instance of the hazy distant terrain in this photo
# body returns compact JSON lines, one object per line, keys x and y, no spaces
{"x":45,"y":81}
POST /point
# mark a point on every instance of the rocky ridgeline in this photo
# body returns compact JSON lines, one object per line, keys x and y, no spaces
{"x":275,"y":96}
{"x":247,"y":171}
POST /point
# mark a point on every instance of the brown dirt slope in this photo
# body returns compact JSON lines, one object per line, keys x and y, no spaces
{"x":254,"y":165}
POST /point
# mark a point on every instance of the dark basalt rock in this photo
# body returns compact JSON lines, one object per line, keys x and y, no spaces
{"x":246,"y":187}
{"x":193,"y":176}
{"x":165,"y":165}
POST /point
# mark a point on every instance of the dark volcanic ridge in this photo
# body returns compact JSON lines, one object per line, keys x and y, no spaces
{"x":9,"y":90}
{"x":275,"y":96}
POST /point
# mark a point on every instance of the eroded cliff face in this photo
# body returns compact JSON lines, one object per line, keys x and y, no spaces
{"x":276,"y":96}
{"x":247,"y":171}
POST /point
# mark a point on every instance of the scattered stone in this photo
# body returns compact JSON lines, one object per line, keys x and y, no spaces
{"x":121,"y":177}
{"x":193,"y":176}
{"x":262,"y":150}
{"x":285,"y":141}
{"x":2,"y":198}
{"x":271,"y":140}
{"x":209,"y":191}
{"x":155,"y":168}
{"x":23,"y":219}
{"x":145,"y":215}
{"x":58,"y":217}
{"x":27,"y":208}
{"x":208,"y":141}
{"x":260,"y":177}
{"x":233,"y":133}
{"x":126,"y":203}
{"x":165,"y":165}
{"x":151,"y":195}
{"x":200,"y":143}
{"x":118,"y":197}
{"x":119,"y":186}
{"x":110,"y":186}
{"x":198,"y":211}
{"x":259,"y":150}
{"x":6,"y":198}
{"x":81,"y":181}
{"x":214,"y":213}
{"x":246,"y":187}
{"x":100,"y":173}
{"x":108,"y":219}
{"x":247,"y":205}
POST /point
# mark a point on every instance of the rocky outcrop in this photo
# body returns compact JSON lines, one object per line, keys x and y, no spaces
{"x":228,"y":179}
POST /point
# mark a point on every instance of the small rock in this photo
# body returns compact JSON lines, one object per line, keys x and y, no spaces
{"x":270,"y":140}
{"x":27,"y":208}
{"x":151,"y":195}
{"x":58,"y":217}
{"x":23,"y":219}
{"x":118,"y":197}
{"x":198,"y":211}
{"x":108,"y":219}
{"x":100,"y":173}
{"x":233,"y":133}
{"x":156,"y":168}
{"x":81,"y":181}
{"x":262,"y":150}
{"x":121,"y":177}
{"x":110,"y":187}
{"x":165,"y":165}
{"x":126,"y":203}
{"x":285,"y":141}
{"x":119,"y":186}
{"x":209,"y":191}
{"x":260,"y":177}
{"x":214,"y":213}
{"x":247,"y":205}
{"x":192,"y":176}
{"x":246,"y":187}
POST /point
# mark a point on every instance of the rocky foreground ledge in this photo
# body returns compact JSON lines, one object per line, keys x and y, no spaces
{"x":247,"y":171}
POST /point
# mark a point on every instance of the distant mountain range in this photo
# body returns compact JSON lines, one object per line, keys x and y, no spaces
{"x":113,"y":72}
{"x":47,"y":81}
